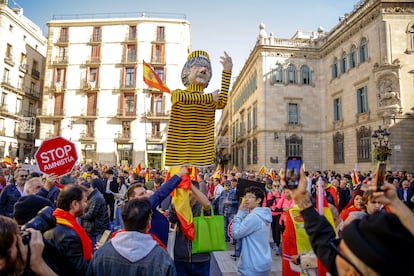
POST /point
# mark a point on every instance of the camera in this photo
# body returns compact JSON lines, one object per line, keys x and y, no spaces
{"x":43,"y":221}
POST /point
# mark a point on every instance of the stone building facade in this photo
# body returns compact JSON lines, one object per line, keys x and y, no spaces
{"x":321,"y":95}
{"x":22,"y":59}
{"x":94,"y":89}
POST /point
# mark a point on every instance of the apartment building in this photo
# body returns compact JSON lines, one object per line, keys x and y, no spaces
{"x":94,"y":92}
{"x":22,"y":58}
{"x":321,"y":95}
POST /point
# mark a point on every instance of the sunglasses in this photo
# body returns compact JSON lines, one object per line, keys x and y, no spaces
{"x":334,"y":244}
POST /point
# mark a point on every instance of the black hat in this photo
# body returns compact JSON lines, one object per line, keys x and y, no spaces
{"x":382,"y":243}
{"x":28,"y":206}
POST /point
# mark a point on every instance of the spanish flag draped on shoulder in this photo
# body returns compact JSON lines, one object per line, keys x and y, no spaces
{"x":152,"y":79}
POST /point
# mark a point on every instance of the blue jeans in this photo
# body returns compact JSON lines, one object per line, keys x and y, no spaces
{"x":189,"y":269}
{"x":227,"y":220}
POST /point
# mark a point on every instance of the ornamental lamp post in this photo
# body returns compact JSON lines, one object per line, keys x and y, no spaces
{"x":381,"y":144}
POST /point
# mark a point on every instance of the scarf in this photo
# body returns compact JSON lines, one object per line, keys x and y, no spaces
{"x":66,"y":219}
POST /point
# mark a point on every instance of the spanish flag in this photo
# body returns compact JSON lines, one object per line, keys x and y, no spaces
{"x":272,"y":174}
{"x":152,"y":79}
{"x":181,"y":202}
{"x":138,"y":168}
{"x":234,"y":168}
{"x":193,"y":174}
{"x":262,"y":170}
{"x":146,"y":175}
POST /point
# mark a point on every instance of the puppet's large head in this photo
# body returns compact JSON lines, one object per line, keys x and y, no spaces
{"x":197,"y":69}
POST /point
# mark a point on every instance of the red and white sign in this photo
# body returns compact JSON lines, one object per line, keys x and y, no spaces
{"x":56,"y":155}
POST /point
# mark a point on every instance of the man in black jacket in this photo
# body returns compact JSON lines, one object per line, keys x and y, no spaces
{"x":111,"y":188}
{"x":95,"y":219}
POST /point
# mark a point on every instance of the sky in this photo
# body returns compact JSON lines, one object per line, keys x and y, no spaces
{"x":216,"y":25}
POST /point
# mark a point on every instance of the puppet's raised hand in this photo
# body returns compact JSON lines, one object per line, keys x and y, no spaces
{"x":227,"y":62}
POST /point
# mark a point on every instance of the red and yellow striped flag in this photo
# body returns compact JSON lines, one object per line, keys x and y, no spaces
{"x":152,"y":79}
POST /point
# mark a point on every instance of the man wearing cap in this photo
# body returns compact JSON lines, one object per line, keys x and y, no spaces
{"x":378,"y":244}
{"x":190,"y":136}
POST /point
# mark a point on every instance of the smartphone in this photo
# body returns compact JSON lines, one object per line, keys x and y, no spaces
{"x":380,"y":175}
{"x":292,"y":171}
{"x":105,"y":236}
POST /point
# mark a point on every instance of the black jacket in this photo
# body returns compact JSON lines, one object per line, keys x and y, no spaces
{"x":69,"y":258}
{"x":95,"y":219}
{"x":320,"y":234}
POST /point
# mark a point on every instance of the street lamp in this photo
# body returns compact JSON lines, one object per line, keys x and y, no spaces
{"x":381,"y":144}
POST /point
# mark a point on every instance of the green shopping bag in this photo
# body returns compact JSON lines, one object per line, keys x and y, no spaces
{"x":208,"y":233}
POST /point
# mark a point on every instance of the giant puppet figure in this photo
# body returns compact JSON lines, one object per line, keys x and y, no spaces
{"x":190,"y":136}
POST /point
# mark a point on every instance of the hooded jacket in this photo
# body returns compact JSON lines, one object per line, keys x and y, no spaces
{"x":254,"y":230}
{"x":131,"y":253}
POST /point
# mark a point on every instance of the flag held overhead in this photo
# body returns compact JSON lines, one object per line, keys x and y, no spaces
{"x":152,"y":79}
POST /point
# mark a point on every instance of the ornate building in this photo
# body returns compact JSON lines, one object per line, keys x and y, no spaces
{"x":22,"y":58}
{"x":321,"y":95}
{"x":94,"y":89}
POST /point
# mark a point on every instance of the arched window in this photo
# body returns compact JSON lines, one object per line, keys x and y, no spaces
{"x":255,"y":157}
{"x":343,"y":63}
{"x":305,"y":75}
{"x":335,"y":68}
{"x":249,"y":152}
{"x":363,"y":50}
{"x":352,"y":57}
{"x":364,"y":144}
{"x":338,"y":148}
{"x":277,"y":74}
{"x":291,"y":73}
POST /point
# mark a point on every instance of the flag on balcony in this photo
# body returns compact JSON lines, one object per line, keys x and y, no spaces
{"x":152,"y":79}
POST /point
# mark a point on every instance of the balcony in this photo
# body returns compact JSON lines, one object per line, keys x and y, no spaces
{"x":150,"y":115}
{"x":95,"y":39}
{"x":129,"y":59}
{"x":130,"y":38}
{"x":154,"y":137}
{"x":125,"y":114}
{"x":51,"y":114}
{"x":61,"y":60}
{"x":32,"y":92}
{"x":122,"y":137}
{"x":63,"y":40}
{"x":9,"y":59}
{"x":92,"y":60}
{"x":88,"y":136}
{"x":24,"y":67}
{"x":88,"y":113}
{"x":90,"y":86}
{"x":35,"y":74}
{"x":127,"y":86}
{"x":58,"y":87}
{"x":158,"y":61}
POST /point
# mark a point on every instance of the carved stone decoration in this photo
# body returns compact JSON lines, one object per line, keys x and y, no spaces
{"x":388,"y":91}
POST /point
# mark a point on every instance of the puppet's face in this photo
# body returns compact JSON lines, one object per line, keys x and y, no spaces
{"x":200,"y":73}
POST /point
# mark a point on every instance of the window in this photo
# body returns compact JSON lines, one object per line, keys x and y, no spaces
{"x":233,"y":132}
{"x":249,"y":120}
{"x":129,"y":104}
{"x":412,"y":37}
{"x":126,"y":126}
{"x":6,"y":76}
{"x":32,"y":87}
{"x":293,"y":114}
{"x":293,"y":146}
{"x":131,"y":53}
{"x":3,"y":98}
{"x":157,"y":104}
{"x":93,"y":77}
{"x":277,"y":74}
{"x":91,"y":104}
{"x":249,"y":152}
{"x":338,"y":148}
{"x":160,"y":33}
{"x":31,"y":110}
{"x":335,"y":69}
{"x":18,"y":106}
{"x":337,"y":109}
{"x":9,"y":51}
{"x":362,"y":99}
{"x":255,"y":157}
{"x":160,"y":72}
{"x":363,"y":50}
{"x":96,"y":36}
{"x":64,"y":35}
{"x":130,"y":77}
{"x":155,"y":129}
{"x":254,"y":116}
{"x":343,"y":63}
{"x":20,"y":85}
{"x":63,"y":54}
{"x":291,"y":73}
{"x":364,"y":144}
{"x":90,"y":128}
{"x":95,"y":52}
{"x":352,"y":57}
{"x":237,"y":128}
{"x":305,"y":75}
{"x":158,"y":53}
{"x":60,"y":75}
{"x":132,"y":33}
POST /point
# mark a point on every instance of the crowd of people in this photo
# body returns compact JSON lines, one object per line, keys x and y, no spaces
{"x":66,"y":221}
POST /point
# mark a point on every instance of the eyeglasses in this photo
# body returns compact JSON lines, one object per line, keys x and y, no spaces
{"x":23,"y":175}
{"x":334,"y":245}
{"x":276,"y":186}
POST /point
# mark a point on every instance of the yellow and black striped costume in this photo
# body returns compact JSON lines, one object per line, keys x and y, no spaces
{"x":190,"y":136}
